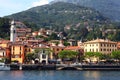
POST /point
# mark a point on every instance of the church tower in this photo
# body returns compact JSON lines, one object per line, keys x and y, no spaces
{"x":12,"y":32}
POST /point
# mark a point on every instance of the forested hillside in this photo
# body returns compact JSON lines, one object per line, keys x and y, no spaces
{"x":109,"y":8}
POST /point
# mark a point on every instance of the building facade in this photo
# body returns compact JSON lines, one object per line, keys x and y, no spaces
{"x":18,"y":51}
{"x":2,"y":53}
{"x":100,"y":45}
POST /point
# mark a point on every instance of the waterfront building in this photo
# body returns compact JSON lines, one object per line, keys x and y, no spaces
{"x":100,"y":45}
{"x":4,"y":43}
{"x":2,"y":53}
{"x":56,"y":49}
{"x":43,"y":54}
{"x":18,"y":51}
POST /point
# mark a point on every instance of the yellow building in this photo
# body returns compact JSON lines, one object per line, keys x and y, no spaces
{"x":100,"y":45}
{"x":18,"y":51}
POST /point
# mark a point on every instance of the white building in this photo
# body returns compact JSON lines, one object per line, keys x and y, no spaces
{"x":43,"y":57}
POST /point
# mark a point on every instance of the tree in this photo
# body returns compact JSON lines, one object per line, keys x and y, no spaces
{"x":66,"y":43}
{"x":105,"y":56}
{"x":53,"y":36}
{"x":4,"y":28}
{"x":90,"y":55}
{"x":30,"y":56}
{"x":67,"y":54}
{"x":116,"y":54}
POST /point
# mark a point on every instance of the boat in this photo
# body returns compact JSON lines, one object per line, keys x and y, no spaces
{"x":4,"y":67}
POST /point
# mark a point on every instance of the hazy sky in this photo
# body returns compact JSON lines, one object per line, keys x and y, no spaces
{"x":8,"y":7}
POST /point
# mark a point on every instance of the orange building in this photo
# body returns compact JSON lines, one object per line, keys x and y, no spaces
{"x":4,"y":43}
{"x":2,"y":53}
{"x":56,"y":50}
{"x":75,"y":48}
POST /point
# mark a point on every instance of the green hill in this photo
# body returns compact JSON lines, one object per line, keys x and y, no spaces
{"x":82,"y":22}
{"x":59,"y":15}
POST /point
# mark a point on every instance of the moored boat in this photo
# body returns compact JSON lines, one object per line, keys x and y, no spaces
{"x":4,"y":67}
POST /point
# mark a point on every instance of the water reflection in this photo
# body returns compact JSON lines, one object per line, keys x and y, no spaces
{"x":92,"y":75}
{"x":59,"y":75}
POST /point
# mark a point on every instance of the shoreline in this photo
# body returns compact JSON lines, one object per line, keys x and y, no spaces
{"x":63,"y":67}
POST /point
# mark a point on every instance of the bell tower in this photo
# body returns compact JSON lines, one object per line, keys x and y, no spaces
{"x":12,"y":32}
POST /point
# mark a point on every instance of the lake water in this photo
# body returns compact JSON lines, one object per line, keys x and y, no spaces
{"x":59,"y":75}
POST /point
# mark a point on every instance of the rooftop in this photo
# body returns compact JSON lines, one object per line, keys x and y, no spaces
{"x":100,"y":41}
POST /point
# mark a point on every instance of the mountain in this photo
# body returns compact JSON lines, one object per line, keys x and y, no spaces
{"x":72,"y":20}
{"x":60,"y":14}
{"x":109,"y":8}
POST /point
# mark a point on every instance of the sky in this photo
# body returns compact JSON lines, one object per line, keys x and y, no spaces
{"x":8,"y":7}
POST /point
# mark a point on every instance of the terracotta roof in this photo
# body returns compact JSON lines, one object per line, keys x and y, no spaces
{"x":57,"y":47}
{"x":100,"y":41}
{"x":72,"y":47}
{"x":18,"y":43}
{"x":2,"y":48}
{"x":4,"y":41}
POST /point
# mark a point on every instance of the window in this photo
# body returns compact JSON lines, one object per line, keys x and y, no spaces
{"x":90,"y":49}
{"x":13,"y":53}
{"x":43,"y":51}
{"x":3,"y":54}
{"x":101,"y":49}
{"x":57,"y":49}
{"x":96,"y":50}
{"x":96,"y":44}
{"x":110,"y":49}
{"x":13,"y":31}
{"x":16,"y":56}
{"x":104,"y":49}
{"x":13,"y":48}
{"x":101,"y":45}
{"x":110,"y":45}
{"x":20,"y":54}
{"x":20,"y":48}
{"x":104,"y":45}
{"x":43,"y":56}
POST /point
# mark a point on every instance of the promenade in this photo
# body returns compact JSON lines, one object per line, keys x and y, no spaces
{"x":65,"y":67}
